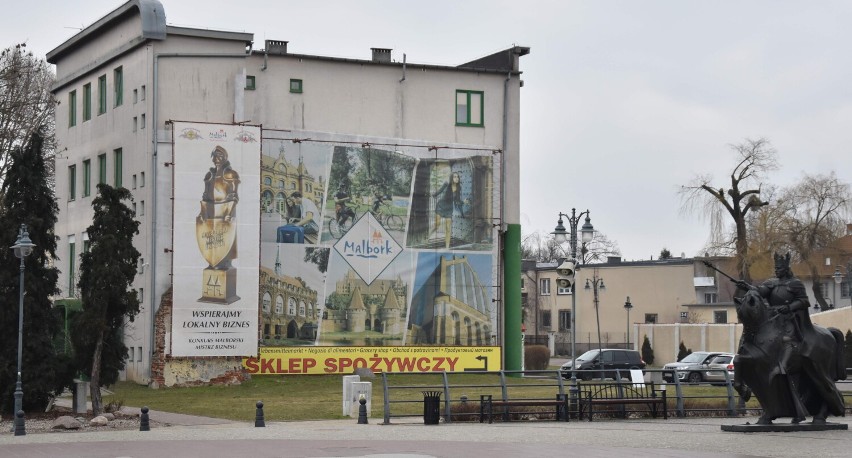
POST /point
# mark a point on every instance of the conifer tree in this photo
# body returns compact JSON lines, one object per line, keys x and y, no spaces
{"x":647,"y":352}
{"x":683,"y":352}
{"x":28,"y":199}
{"x":107,"y":271}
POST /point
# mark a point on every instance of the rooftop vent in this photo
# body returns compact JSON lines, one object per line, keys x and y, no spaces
{"x":276,"y":47}
{"x":381,"y":54}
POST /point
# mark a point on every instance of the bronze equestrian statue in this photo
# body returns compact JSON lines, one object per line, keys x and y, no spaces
{"x":789,"y":363}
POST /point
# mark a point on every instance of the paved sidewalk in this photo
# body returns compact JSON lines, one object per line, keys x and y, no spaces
{"x":676,"y":437}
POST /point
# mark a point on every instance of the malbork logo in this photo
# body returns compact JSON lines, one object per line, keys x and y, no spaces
{"x":368,"y":248}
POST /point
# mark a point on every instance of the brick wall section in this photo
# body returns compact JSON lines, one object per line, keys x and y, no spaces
{"x":169,"y":371}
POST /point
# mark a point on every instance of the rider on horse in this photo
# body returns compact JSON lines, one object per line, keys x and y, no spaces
{"x":787,"y":297}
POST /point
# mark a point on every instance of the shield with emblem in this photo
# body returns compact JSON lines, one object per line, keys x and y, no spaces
{"x":215,"y":235}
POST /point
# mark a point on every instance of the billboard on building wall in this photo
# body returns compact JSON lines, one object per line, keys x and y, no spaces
{"x":362,"y":244}
{"x":367,"y":245}
{"x":216,"y":238}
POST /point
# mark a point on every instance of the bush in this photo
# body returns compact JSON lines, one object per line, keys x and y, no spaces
{"x":647,"y":352}
{"x":682,"y":351}
{"x":536,"y":357}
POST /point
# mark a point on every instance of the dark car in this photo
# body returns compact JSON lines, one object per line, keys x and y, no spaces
{"x":612,"y":358}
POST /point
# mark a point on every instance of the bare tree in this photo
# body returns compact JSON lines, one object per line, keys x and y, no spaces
{"x":816,"y":212}
{"x":754,"y":158}
{"x":543,"y":248}
{"x":26,"y":103}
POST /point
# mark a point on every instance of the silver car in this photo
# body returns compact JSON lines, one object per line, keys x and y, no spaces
{"x":717,"y":367}
{"x":692,"y":368}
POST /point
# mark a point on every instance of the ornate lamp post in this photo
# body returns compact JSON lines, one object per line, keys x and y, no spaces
{"x":560,"y":235}
{"x":22,"y":247}
{"x":838,"y":279}
{"x":596,"y":283}
{"x":628,"y":306}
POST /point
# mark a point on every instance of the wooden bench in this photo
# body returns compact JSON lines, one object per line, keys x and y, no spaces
{"x":487,"y":404}
{"x":621,"y":393}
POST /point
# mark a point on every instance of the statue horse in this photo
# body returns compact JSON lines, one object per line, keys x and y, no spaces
{"x":789,"y":378}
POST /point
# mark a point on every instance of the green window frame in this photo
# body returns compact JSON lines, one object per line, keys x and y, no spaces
{"x":87,"y":178}
{"x":102,"y":169}
{"x":118,"y":86}
{"x":72,"y":265}
{"x":102,"y":99}
{"x":87,"y":102}
{"x":72,"y":108}
{"x":72,"y":182}
{"x":470,"y":108}
{"x":250,"y":83}
{"x":117,"y":167}
{"x":296,"y":86}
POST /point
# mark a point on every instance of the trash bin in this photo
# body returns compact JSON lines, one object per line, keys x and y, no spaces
{"x":431,"y":407}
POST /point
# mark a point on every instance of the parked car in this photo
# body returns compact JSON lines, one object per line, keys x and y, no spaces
{"x":717,"y":367}
{"x":693,"y":368}
{"x":612,"y":358}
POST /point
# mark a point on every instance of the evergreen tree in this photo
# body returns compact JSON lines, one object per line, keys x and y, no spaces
{"x":107,"y":271}
{"x":682,"y":351}
{"x":28,"y":199}
{"x":647,"y":352}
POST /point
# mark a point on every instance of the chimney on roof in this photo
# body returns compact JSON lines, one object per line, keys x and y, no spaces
{"x":613,"y":259}
{"x":382,"y":55}
{"x":276,"y":47}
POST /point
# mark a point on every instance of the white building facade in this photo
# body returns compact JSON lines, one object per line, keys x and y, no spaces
{"x":122,"y":81}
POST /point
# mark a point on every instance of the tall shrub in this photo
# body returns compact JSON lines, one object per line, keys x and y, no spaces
{"x":647,"y":351}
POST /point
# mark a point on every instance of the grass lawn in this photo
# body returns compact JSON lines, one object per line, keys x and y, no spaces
{"x":318,"y":397}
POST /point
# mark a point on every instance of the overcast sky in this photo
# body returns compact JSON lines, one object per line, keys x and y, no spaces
{"x":623,"y":102}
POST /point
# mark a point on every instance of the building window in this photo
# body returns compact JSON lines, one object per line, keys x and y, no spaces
{"x":142,"y":121}
{"x":72,"y":108}
{"x":117,"y":167}
{"x":279,"y":305}
{"x":684,"y":317}
{"x":135,"y":96}
{"x":87,"y":102}
{"x":250,"y":82}
{"x":102,"y":170}
{"x":143,"y":92}
{"x":564,"y":320}
{"x":134,"y":208}
{"x":545,"y":318}
{"x":469,"y":108}
{"x":651,"y":318}
{"x":141,"y":297}
{"x":102,"y":94}
{"x":72,"y":182}
{"x":544,"y":287}
{"x":72,"y":264}
{"x":141,"y":208}
{"x":720,"y":316}
{"x":142,"y":179}
{"x":118,"y":82}
{"x":86,"y":243}
{"x":87,"y":178}
{"x":296,"y":86}
{"x":291,"y":307}
{"x":844,"y":289}
{"x":561,"y":290}
{"x":135,"y":123}
{"x":823,"y":288}
{"x":134,"y":181}
{"x":710,"y":298}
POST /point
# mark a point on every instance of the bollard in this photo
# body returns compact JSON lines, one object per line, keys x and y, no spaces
{"x":20,"y":427}
{"x":258,"y":416}
{"x":144,"y":424}
{"x":362,"y":410}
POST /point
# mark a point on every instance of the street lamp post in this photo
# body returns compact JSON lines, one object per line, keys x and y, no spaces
{"x":22,"y":247}
{"x":596,"y":283}
{"x":628,"y":306}
{"x":560,"y":235}
{"x":838,"y":279}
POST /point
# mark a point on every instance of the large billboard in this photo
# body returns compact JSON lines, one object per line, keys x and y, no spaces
{"x":368,"y":243}
{"x":216,"y":239}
